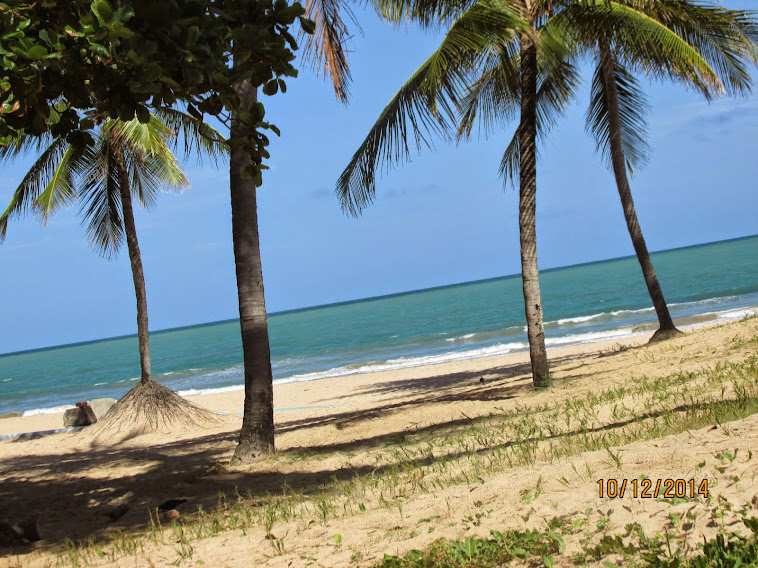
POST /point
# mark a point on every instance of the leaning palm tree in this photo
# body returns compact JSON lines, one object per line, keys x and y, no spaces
{"x":128,"y":160}
{"x":726,"y":39}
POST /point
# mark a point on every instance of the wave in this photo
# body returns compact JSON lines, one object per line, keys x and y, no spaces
{"x":50,"y":410}
{"x":194,"y":392}
{"x":467,"y":336}
{"x":405,"y":363}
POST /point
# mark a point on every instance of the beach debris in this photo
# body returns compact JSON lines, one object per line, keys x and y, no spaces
{"x":79,"y":416}
{"x":101,"y":406}
{"x":14,"y":534}
{"x":171,"y":504}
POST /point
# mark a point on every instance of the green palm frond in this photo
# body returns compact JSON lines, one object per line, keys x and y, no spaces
{"x":34,"y":182}
{"x":639,"y":40}
{"x":61,"y":191}
{"x":101,"y":211}
{"x":727,"y":39}
{"x":632,"y":110}
{"x":324,"y":50}
{"x":493,"y":98}
{"x":199,"y":137}
{"x":25,"y":145}
{"x":425,"y":105}
{"x":430,"y":13}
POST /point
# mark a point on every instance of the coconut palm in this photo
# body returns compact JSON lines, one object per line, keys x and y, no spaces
{"x":508,"y":34}
{"x":531,"y":71}
{"x":725,"y":39}
{"x":324,"y":50}
{"x":128,"y":160}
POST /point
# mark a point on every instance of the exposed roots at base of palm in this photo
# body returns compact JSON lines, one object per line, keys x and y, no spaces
{"x":664,"y":334}
{"x":148,"y":408}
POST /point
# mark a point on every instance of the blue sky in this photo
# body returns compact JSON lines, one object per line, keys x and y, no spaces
{"x":440,"y":219}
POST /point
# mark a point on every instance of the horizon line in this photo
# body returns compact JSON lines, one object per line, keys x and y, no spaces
{"x":366,"y":299}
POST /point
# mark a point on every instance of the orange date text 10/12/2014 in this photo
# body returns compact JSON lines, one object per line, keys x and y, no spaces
{"x":652,"y":489}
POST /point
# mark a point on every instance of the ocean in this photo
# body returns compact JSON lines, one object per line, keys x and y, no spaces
{"x":588,"y":302}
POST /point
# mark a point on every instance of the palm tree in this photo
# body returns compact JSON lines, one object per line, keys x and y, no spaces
{"x":324,"y":49}
{"x":128,"y":160}
{"x":724,"y":38}
{"x":509,"y":32}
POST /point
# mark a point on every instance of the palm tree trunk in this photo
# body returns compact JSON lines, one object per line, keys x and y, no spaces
{"x":527,"y":212}
{"x":256,"y":439}
{"x":666,"y":325}
{"x":136,"y":260}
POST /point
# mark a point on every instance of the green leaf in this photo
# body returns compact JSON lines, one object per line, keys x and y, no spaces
{"x":271,"y":88}
{"x":103,"y":11}
{"x":37,"y":52}
{"x":153,"y":72}
{"x":309,"y":26}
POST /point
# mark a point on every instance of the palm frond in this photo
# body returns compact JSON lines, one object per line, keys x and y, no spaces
{"x":494,"y":96}
{"x":727,"y":39}
{"x":101,"y":211}
{"x":61,"y":188}
{"x":425,"y":105}
{"x":638,"y":39}
{"x":199,"y":137}
{"x":325,"y":49}
{"x":632,"y":110}
{"x":34,"y":182}
{"x":555,"y":90}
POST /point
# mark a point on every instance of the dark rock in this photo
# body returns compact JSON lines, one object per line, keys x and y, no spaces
{"x":79,"y":416}
{"x":15,"y":534}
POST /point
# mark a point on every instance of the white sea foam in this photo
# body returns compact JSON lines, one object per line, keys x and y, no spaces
{"x":467,"y":336}
{"x":193,"y":392}
{"x":50,"y":410}
{"x":589,"y":337}
{"x":406,"y":362}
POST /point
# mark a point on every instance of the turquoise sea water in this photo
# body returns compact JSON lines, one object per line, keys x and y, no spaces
{"x":582,"y":303}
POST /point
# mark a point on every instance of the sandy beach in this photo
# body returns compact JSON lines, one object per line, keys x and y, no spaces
{"x":405,"y":457}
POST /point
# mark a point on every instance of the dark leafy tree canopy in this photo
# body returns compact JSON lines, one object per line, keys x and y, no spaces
{"x":84,"y":61}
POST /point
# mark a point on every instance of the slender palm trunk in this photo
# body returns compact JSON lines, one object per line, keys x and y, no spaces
{"x":136,"y":259}
{"x":527,"y":212}
{"x":618,"y":159}
{"x":256,"y":439}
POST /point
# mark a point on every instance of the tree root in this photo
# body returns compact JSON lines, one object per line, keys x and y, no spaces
{"x":664,"y":334}
{"x":147,"y":408}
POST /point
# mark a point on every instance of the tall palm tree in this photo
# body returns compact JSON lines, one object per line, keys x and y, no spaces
{"x":705,"y":47}
{"x":478,"y":31}
{"x":128,"y":160}
{"x":324,"y":49}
